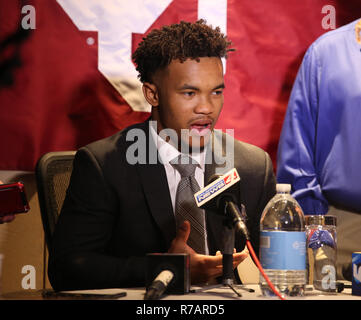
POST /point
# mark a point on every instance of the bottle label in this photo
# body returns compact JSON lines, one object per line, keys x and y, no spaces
{"x":285,"y":250}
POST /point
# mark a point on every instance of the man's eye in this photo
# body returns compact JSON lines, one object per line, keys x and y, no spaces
{"x":189,"y":93}
{"x":218,"y":92}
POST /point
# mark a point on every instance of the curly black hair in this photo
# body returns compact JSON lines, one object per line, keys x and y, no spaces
{"x":178,"y":41}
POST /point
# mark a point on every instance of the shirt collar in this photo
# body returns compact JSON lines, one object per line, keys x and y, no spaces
{"x":168,"y":152}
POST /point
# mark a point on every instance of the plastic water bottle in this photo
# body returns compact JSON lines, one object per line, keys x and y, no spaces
{"x":283,"y":244}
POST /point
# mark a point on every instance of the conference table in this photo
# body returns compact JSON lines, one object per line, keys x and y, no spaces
{"x":218,"y":292}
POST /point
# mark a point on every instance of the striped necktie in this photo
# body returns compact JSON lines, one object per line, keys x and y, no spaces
{"x":185,"y":205}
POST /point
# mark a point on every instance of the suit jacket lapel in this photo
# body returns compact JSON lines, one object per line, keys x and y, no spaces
{"x":159,"y":200}
{"x":157,"y":194}
{"x":214,"y":164}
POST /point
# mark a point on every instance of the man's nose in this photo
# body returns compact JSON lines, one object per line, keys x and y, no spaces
{"x":204,"y":106}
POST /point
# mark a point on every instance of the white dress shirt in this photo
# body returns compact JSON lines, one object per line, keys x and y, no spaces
{"x":167,"y":153}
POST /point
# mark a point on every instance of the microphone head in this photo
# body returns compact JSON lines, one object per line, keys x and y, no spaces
{"x":219,"y":189}
{"x":177,"y":263}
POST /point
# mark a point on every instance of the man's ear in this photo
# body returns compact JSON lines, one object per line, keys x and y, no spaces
{"x":150,"y":92}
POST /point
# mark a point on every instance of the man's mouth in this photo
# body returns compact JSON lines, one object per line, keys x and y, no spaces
{"x":201,"y":127}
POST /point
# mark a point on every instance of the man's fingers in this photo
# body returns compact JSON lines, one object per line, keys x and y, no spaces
{"x":214,"y":264}
{"x":183,"y":232}
{"x":238,"y":257}
{"x":212,"y":261}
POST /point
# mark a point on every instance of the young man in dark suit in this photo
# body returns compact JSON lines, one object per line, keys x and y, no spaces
{"x":123,"y":202}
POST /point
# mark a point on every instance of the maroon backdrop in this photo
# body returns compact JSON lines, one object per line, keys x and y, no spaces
{"x":54,"y":98}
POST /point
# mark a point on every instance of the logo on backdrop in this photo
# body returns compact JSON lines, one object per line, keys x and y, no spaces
{"x":115,"y":21}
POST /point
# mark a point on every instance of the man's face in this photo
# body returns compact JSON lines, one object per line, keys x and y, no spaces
{"x":189,"y":96}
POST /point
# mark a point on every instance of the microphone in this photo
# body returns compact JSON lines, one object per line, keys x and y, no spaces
{"x":219,"y":196}
{"x":166,"y":273}
{"x":159,"y":285}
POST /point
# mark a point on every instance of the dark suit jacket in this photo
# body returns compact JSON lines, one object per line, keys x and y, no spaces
{"x":115,"y":213}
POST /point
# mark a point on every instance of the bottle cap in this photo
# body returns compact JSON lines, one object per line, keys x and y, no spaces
{"x":283,"y":187}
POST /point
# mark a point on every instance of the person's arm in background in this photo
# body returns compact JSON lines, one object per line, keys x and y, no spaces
{"x":8,"y":217}
{"x":296,"y":149}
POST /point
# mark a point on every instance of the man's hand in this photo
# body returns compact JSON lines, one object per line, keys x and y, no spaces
{"x":203,"y":268}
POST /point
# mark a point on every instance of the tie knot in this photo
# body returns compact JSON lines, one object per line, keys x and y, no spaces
{"x":185,"y":165}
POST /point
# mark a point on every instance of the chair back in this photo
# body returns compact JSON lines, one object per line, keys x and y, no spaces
{"x":53,"y":171}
